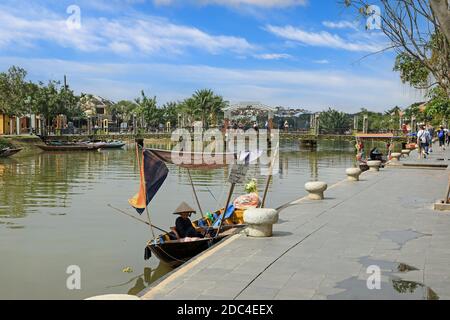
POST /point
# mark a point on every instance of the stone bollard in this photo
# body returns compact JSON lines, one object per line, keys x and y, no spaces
{"x":316,"y":190}
{"x":395,"y":156}
{"x":114,"y":297}
{"x":374,"y":165}
{"x":260,"y":221}
{"x":406,"y":152}
{"x":353,"y":174}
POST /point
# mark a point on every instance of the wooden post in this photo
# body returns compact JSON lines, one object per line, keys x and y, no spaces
{"x":269,"y":177}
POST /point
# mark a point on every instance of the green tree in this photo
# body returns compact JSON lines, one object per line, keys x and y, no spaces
{"x":208,"y":107}
{"x":123,"y":110}
{"x":438,"y":108}
{"x":333,"y":121}
{"x":147,"y":111}
{"x":13,"y":91}
{"x":170,"y":111}
{"x":51,"y":99}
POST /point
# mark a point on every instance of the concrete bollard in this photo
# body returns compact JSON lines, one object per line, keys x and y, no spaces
{"x":260,"y":221}
{"x":114,"y":297}
{"x":374,"y":165}
{"x":316,"y":190}
{"x":395,"y":156}
{"x":353,"y":174}
{"x":406,"y":152}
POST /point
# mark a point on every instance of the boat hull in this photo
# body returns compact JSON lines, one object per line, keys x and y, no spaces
{"x":175,"y":253}
{"x":9,"y":152}
{"x":113,"y":146}
{"x":196,"y":160}
{"x":69,"y":147}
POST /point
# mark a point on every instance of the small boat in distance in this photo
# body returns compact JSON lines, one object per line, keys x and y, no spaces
{"x":7,"y":152}
{"x":113,"y":145}
{"x":70,"y":147}
{"x":197,"y":161}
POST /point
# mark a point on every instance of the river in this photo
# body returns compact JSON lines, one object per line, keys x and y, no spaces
{"x":54,"y":213}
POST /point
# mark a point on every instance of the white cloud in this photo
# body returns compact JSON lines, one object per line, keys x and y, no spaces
{"x":315,"y":90}
{"x":324,"y":39}
{"x":235,"y":3}
{"x":143,"y":34}
{"x":323,"y":61}
{"x":341,"y":25}
{"x":272,"y":56}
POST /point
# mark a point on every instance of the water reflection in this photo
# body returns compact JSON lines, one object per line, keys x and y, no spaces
{"x":144,"y":280}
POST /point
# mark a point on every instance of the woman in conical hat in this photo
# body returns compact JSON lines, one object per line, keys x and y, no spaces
{"x":183,"y":224}
{"x":184,"y":208}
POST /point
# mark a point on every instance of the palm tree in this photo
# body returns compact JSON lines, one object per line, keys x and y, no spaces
{"x":207,"y":106}
{"x":333,"y":121}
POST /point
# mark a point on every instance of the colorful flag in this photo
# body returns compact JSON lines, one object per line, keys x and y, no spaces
{"x":153,"y":172}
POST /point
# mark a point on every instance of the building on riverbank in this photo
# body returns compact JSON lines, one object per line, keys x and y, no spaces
{"x":19,"y":125}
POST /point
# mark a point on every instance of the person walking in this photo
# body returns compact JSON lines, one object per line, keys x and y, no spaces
{"x":430,"y":139}
{"x":442,"y":138}
{"x":422,"y":141}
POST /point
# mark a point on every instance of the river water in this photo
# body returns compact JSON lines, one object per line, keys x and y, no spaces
{"x":54,"y":214}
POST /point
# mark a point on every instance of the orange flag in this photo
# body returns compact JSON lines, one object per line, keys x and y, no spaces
{"x":139,"y":200}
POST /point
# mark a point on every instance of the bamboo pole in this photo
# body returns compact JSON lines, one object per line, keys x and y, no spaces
{"x":230,"y":194}
{"x":195,"y":193}
{"x":136,"y":218}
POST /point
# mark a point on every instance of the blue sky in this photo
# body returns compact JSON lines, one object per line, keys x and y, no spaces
{"x":292,"y":53}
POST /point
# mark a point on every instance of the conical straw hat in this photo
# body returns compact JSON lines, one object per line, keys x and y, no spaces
{"x":184,"y":208}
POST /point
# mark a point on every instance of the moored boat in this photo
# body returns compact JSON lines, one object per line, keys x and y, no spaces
{"x":196,"y":160}
{"x":178,"y":251}
{"x":71,"y":147}
{"x":174,"y":251}
{"x":113,"y":145}
{"x":7,"y":152}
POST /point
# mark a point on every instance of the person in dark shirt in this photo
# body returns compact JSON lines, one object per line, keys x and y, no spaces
{"x":183,"y":224}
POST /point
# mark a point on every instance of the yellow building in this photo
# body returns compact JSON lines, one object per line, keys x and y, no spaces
{"x":4,"y":124}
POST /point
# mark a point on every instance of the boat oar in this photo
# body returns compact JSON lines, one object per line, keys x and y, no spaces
{"x":136,"y":218}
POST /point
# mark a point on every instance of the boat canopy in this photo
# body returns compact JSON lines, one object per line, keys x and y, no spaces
{"x":374,"y":135}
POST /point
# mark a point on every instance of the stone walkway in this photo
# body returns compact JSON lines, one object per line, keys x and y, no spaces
{"x":322,"y":249}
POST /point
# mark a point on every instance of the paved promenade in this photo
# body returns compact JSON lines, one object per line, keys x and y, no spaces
{"x":322,"y":250}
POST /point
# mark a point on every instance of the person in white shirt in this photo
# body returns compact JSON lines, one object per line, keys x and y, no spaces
{"x":423,"y":138}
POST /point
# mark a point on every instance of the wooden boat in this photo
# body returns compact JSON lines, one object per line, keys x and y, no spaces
{"x":174,"y":252}
{"x":4,"y":153}
{"x":197,"y":159}
{"x":71,"y":147}
{"x":113,"y":145}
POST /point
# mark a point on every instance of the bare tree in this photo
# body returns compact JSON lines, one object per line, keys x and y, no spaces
{"x":418,"y":36}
